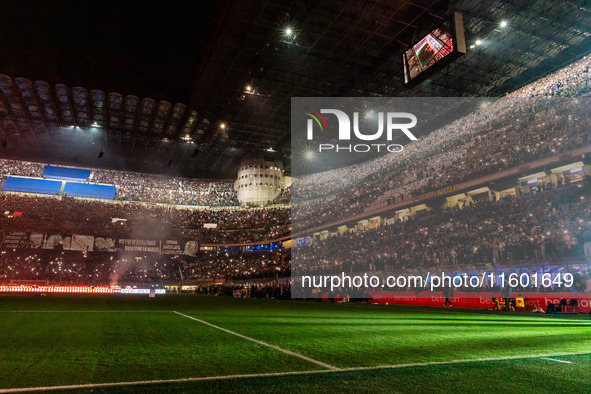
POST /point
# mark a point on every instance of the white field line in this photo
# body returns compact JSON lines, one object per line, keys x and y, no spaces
{"x":558,"y":361}
{"x":311,"y":360}
{"x":273,"y":374}
{"x":96,"y":311}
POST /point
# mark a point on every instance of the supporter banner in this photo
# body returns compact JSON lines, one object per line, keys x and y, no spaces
{"x":104,"y":244}
{"x":446,"y":190}
{"x":90,"y":243}
{"x":171,"y":246}
{"x":80,"y":242}
{"x":436,"y":193}
{"x":15,"y":240}
{"x":83,"y":243}
{"x":53,"y":241}
{"x":139,"y":245}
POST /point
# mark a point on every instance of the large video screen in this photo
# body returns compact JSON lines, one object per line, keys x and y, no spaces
{"x":436,"y":48}
{"x":429,"y":50}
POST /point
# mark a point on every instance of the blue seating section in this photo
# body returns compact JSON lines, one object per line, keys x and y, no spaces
{"x":31,"y":185}
{"x":66,"y":173}
{"x":88,"y":190}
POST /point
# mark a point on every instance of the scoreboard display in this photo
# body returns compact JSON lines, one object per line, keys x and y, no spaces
{"x":434,"y":51}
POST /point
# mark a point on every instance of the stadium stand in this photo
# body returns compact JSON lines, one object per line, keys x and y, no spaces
{"x":133,"y":186}
{"x":547,"y":225}
{"x":404,"y":177}
{"x":74,"y":215}
{"x":492,"y":139}
{"x":160,"y":206}
{"x":97,"y":269}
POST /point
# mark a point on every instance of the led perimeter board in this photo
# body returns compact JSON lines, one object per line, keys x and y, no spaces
{"x":434,"y":51}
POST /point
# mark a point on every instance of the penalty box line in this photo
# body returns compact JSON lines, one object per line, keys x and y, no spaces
{"x":311,"y":360}
{"x":277,"y":374}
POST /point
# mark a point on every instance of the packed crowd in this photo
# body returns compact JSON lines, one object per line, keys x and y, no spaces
{"x":124,"y":269}
{"x":166,"y":189}
{"x":524,"y":126}
{"x":132,"y":186}
{"x":272,"y":290}
{"x":553,"y":224}
{"x":45,"y":214}
{"x":284,"y":197}
{"x":20,"y":168}
{"x":220,"y":265}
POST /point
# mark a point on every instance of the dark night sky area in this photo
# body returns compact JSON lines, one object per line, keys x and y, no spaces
{"x":149,"y":49}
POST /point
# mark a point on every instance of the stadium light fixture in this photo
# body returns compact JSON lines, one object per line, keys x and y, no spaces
{"x":309,"y":155}
{"x":288,"y":34}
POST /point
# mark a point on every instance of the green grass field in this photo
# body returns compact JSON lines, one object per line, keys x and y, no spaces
{"x":306,"y":346}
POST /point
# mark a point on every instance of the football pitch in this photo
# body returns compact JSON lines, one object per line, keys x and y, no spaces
{"x":201,"y":343}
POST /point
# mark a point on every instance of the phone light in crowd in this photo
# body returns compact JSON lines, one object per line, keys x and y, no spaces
{"x":288,"y":31}
{"x":222,"y":125}
{"x":532,"y":181}
{"x":369,"y":113}
{"x":503,"y":24}
{"x":478,"y":42}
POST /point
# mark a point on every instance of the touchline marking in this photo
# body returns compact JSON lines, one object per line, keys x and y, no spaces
{"x":163,"y":381}
{"x":558,"y":361}
{"x":70,"y":311}
{"x":272,"y":374}
{"x":262,"y":343}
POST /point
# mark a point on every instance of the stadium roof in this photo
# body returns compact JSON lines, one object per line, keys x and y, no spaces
{"x":152,"y":88}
